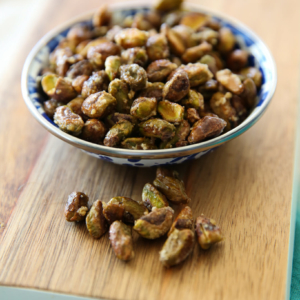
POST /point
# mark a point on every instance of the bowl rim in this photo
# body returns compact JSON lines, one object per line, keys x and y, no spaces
{"x":158,"y":153}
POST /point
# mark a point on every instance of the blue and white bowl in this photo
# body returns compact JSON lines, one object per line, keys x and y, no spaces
{"x":260,"y":57}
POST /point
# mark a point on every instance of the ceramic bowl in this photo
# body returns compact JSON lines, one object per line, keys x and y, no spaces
{"x":260,"y":57}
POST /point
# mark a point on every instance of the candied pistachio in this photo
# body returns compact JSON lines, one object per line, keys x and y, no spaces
{"x":154,"y":18}
{"x":120,"y":236}
{"x":58,"y":88}
{"x":153,"y":198}
{"x":237,"y":59}
{"x":195,"y":20}
{"x":157,"y":128}
{"x":159,"y":70}
{"x":254,"y":74}
{"x":138,"y":143}
{"x":239,"y":105}
{"x":118,"y":133}
{"x":134,"y":75}
{"x":116,"y":117}
{"x":111,"y":33}
{"x":143,"y":108}
{"x":93,"y":131}
{"x":177,"y":247}
{"x":99,"y":31}
{"x":76,"y":207}
{"x":50,"y":107}
{"x":186,"y":34}
{"x":79,"y":33}
{"x":177,"y":87}
{"x":119,"y":89}
{"x":170,"y":111}
{"x":157,"y":47}
{"x":184,"y":220}
{"x":192,"y":115}
{"x":171,"y":186}
{"x":78,"y":82}
{"x":79,"y":48}
{"x":226,"y":40}
{"x":96,"y":83}
{"x":230,"y":81}
{"x":208,"y":233}
{"x":176,"y":60}
{"x":96,"y":223}
{"x":193,"y":100}
{"x":135,"y":55}
{"x":99,"y":105}
{"x":140,"y":22}
{"x":68,"y":121}
{"x":176,"y":43}
{"x":75,"y":106}
{"x":155,"y":224}
{"x":86,"y":47}
{"x":131,"y":37}
{"x":181,"y":133}
{"x":112,"y":65}
{"x":59,"y":60}
{"x":124,"y":209}
{"x":207,"y":127}
{"x":167,"y":5}
{"x":206,"y":34}
{"x":193,"y":54}
{"x":153,"y":90}
{"x":249,"y":93}
{"x":102,"y":16}
{"x":211,"y":62}
{"x":172,"y":18}
{"x":213,"y":24}
{"x":197,"y":73}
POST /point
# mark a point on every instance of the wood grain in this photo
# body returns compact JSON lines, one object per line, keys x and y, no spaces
{"x":245,"y":185}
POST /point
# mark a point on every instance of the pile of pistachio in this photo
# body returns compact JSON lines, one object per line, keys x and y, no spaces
{"x":151,"y":218}
{"x":163,"y":78}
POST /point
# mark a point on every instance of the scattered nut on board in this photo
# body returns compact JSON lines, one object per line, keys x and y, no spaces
{"x":150,"y":218}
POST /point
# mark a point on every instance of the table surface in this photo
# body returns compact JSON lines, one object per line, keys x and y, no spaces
{"x":246,"y":185}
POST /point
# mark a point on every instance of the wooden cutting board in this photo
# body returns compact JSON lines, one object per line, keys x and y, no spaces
{"x":246,"y":185}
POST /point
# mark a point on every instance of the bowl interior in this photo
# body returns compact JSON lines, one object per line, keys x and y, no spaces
{"x":259,"y":57}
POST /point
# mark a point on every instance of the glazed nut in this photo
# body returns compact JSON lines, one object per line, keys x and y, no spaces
{"x":116,"y":117}
{"x":119,"y":89}
{"x":208,"y":233}
{"x":177,"y":87}
{"x":76,"y":207}
{"x":230,"y":81}
{"x":93,"y":131}
{"x":206,"y":35}
{"x":83,"y":67}
{"x":177,"y":247}
{"x":102,"y":16}
{"x":139,"y":143}
{"x":96,"y":223}
{"x":172,"y":18}
{"x":254,"y":74}
{"x":226,"y":40}
{"x":198,"y":73}
{"x":50,"y":107}
{"x":58,"y":88}
{"x":79,"y":33}
{"x":135,"y":55}
{"x":211,"y":62}
{"x":193,"y":54}
{"x":194,"y":20}
{"x":184,"y":220}
{"x":153,"y":198}
{"x":157,"y":47}
{"x":153,"y":90}
{"x":84,"y":47}
{"x":124,"y":209}
{"x":250,"y":92}
{"x":175,"y":41}
{"x":120,"y":237}
{"x":68,"y":121}
{"x":186,"y":34}
{"x":207,"y":127}
{"x":159,"y":70}
{"x":170,"y":111}
{"x":75,"y":106}
{"x":167,"y":5}
{"x":96,"y":83}
{"x":78,"y":82}
{"x":140,"y":22}
{"x":134,"y":75}
{"x":105,"y":50}
{"x":157,"y":128}
{"x":131,"y":37}
{"x":112,"y":65}
{"x":112,"y":32}
{"x":192,"y":115}
{"x":155,"y":224}
{"x":171,"y":186}
{"x":239,"y":105}
{"x":193,"y":100}
{"x":237,"y":59}
{"x":143,"y":108}
{"x":118,"y":133}
{"x":99,"y":105}
{"x":59,"y":60}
